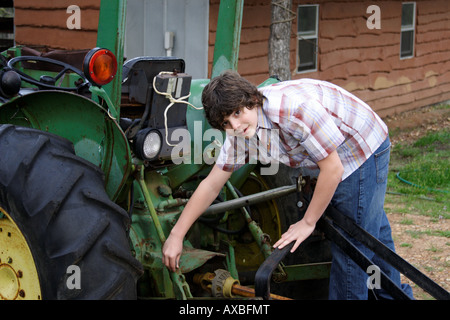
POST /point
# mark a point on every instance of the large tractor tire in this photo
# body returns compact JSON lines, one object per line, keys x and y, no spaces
{"x":61,"y":237}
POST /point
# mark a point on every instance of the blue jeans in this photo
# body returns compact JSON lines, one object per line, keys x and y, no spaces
{"x":361,"y":196}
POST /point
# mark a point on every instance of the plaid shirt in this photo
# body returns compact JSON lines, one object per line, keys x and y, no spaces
{"x":301,"y":122}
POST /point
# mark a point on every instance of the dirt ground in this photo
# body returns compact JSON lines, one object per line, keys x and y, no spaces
{"x":429,"y":254}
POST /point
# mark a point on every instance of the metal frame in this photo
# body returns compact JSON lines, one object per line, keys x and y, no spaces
{"x":331,"y":224}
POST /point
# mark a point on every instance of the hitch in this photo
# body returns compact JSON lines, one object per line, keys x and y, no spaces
{"x":264,"y":273}
{"x":222,"y":285}
{"x":327,"y":224}
{"x":333,"y":216}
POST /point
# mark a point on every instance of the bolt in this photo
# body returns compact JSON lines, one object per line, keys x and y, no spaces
{"x":265,"y":238}
{"x":20,"y":273}
{"x":164,"y":190}
{"x":10,"y":260}
{"x":22,"y":293}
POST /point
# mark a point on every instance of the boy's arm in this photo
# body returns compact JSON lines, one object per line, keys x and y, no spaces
{"x":331,"y":170}
{"x":202,"y":198}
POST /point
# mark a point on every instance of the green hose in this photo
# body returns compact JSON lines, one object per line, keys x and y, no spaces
{"x":419,"y":186}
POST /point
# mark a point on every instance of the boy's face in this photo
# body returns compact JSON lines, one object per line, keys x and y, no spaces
{"x":242,"y":123}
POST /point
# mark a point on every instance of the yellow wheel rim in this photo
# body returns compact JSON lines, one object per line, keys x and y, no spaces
{"x":247,"y":254}
{"x":18,"y":274}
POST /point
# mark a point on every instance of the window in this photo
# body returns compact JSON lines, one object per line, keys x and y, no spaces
{"x":6,"y":25}
{"x":408,"y":30}
{"x":307,"y":35}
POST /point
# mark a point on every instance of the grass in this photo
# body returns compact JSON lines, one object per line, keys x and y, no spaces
{"x":420,"y":174}
{"x":428,"y":160}
{"x":419,"y":184}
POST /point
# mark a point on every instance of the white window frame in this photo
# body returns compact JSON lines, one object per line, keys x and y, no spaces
{"x":408,"y":29}
{"x":308,"y":36}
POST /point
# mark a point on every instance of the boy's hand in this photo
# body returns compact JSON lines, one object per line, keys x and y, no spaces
{"x":297,"y":232}
{"x":202,"y":198}
{"x":331,"y":170}
{"x":171,"y":252}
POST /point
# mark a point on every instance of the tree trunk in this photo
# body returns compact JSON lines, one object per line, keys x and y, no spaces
{"x":279,"y":41}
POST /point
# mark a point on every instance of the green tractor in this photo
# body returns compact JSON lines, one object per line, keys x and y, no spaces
{"x":97,"y":160}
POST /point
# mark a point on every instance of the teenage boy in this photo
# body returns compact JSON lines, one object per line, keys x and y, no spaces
{"x":319,"y":126}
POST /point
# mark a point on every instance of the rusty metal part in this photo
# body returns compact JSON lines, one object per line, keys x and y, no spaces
{"x":244,"y":291}
{"x":204,"y":280}
{"x":222,"y":285}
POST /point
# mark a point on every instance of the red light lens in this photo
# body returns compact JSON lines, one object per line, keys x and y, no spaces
{"x":102,"y":67}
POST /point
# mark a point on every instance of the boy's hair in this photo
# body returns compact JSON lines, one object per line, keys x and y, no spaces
{"x":226,"y":94}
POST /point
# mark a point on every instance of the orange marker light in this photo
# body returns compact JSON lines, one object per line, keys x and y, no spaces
{"x":100,"y":66}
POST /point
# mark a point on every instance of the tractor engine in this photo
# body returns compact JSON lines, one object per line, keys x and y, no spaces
{"x":152,"y":106}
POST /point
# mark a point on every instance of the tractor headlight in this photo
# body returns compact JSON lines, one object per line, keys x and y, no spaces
{"x":148,"y":144}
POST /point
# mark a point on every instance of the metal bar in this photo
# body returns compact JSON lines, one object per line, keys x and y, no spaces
{"x":358,"y":257}
{"x":361,"y":235}
{"x":180,"y":287}
{"x":264,"y":274}
{"x":250,"y":200}
{"x":244,"y":291}
{"x":255,"y":230}
{"x":150,"y":206}
{"x":236,"y":196}
{"x":110,"y":35}
{"x":228,"y":36}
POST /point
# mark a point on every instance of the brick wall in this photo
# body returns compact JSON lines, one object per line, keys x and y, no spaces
{"x":367,"y":62}
{"x":49,"y":17}
{"x":255,"y":31}
{"x":364,"y":61}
